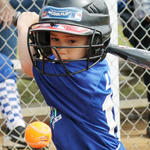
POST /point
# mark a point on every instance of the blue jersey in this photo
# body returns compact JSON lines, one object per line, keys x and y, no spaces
{"x":82,"y":112}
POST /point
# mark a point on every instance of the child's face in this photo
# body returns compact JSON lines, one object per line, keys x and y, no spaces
{"x":63,"y":39}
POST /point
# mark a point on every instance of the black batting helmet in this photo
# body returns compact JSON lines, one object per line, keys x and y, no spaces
{"x":78,"y":17}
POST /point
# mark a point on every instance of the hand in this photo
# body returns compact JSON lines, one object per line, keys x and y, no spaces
{"x":26,"y":19}
{"x":6,"y":13}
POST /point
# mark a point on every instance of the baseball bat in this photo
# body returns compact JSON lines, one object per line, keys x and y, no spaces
{"x":139,"y":57}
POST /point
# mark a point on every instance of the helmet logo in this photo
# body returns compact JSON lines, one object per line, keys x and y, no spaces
{"x":69,"y":13}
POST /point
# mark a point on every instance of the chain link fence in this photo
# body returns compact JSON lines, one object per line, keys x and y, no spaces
{"x":134,"y":104}
{"x":134,"y":81}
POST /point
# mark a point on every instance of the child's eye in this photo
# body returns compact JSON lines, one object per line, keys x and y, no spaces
{"x":72,"y":41}
{"x":54,"y":39}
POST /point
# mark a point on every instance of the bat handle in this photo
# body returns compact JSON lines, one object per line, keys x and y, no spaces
{"x":15,"y":18}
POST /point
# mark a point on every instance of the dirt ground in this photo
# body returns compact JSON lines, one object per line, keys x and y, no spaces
{"x":136,"y":143}
{"x":137,"y":140}
{"x":51,"y":147}
{"x":130,"y":143}
{"x":134,"y":137}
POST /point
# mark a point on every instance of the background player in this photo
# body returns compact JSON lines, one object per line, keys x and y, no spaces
{"x":67,"y":58}
{"x":9,"y":96}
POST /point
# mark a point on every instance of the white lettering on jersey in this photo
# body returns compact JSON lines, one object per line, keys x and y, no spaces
{"x":108,"y":106}
{"x":108,"y":83}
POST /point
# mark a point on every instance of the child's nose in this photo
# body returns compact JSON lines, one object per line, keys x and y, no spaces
{"x":61,"y":48}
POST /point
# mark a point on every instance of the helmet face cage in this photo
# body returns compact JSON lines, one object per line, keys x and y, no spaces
{"x":40,"y":50}
{"x":91,"y":15}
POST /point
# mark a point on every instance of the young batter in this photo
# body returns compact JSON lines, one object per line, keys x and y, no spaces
{"x":65,"y":53}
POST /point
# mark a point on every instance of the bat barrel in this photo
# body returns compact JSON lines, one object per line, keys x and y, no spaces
{"x":137,"y":56}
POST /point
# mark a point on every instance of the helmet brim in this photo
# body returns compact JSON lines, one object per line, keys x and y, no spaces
{"x":70,"y":29}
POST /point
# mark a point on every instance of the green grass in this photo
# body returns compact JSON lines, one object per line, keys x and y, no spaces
{"x":122,"y":40}
{"x":135,"y":88}
{"x":132,"y":90}
{"x":29,"y":91}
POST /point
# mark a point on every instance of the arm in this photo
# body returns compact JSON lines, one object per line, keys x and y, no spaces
{"x":6,"y":13}
{"x":24,"y":21}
